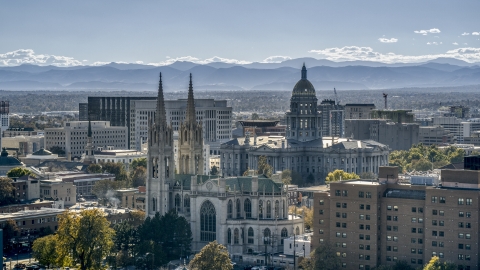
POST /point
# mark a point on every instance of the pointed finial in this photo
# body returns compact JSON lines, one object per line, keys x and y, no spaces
{"x":160,"y":115}
{"x":304,"y":72}
{"x":190,"y":117}
{"x":89,"y":133}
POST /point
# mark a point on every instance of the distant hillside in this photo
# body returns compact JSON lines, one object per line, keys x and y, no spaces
{"x":324,"y":74}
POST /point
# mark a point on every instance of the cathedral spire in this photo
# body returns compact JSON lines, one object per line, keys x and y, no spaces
{"x":190,"y":117}
{"x":89,"y":132}
{"x":304,"y":72}
{"x":160,"y":115}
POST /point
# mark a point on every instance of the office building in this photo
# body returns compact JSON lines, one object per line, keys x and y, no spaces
{"x":373,"y":223}
{"x":72,"y":137}
{"x":358,"y":110}
{"x":398,"y":136}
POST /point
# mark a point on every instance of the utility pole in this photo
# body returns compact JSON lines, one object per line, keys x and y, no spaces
{"x":294,"y":253}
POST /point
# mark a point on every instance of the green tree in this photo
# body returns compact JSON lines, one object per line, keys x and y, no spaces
{"x":212,"y":256}
{"x":116,"y":168}
{"x":125,"y":241}
{"x":19,"y":172}
{"x":322,"y":258}
{"x":10,"y":231}
{"x":263,"y":167}
{"x":105,"y":190}
{"x":57,"y":150}
{"x":368,"y":175}
{"x":169,"y":232}
{"x":6,"y":191}
{"x":94,"y":168}
{"x":338,"y":175}
{"x":45,"y":250}
{"x":138,"y":162}
{"x":297,"y":178}
{"x":255,"y":116}
{"x":86,"y":237}
{"x":214,"y":170}
{"x":457,"y":156}
{"x":421,"y":165}
{"x":287,"y":177}
{"x":138,"y":176}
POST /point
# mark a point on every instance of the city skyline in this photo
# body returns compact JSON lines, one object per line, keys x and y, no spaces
{"x":160,"y":33}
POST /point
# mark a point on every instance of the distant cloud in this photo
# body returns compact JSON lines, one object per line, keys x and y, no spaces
{"x":352,"y":53}
{"x":386,"y":40}
{"x":455,"y":43}
{"x":476,"y":34}
{"x":465,"y":34}
{"x":276,"y":59}
{"x":139,"y":62}
{"x":196,"y":60}
{"x":28,"y":56}
{"x":433,"y":43}
{"x":426,"y":32}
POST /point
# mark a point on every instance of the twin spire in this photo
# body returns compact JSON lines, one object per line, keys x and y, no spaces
{"x":161,"y":115}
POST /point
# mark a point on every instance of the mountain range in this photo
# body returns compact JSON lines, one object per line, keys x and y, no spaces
{"x":324,"y":75}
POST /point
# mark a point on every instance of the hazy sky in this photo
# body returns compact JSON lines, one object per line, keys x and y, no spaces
{"x":84,"y":32}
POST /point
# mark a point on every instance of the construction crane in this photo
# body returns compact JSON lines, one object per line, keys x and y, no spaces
{"x":336,"y":97}
{"x":385,"y":97}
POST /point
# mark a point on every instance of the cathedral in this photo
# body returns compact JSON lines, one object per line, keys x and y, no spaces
{"x":247,"y":214}
{"x":302,"y":149}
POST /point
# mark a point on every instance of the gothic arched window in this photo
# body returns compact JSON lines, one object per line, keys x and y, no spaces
{"x":247,"y":207}
{"x":239,"y":208}
{"x":284,"y":234}
{"x":260,"y":209}
{"x":277,"y":206}
{"x":186,"y":202}
{"x":266,"y":232}
{"x":250,"y":235}
{"x":236,"y":236}
{"x":229,"y":236}
{"x":208,"y":222}
{"x":178,"y":202}
{"x":269,"y":209}
{"x":230,"y":209}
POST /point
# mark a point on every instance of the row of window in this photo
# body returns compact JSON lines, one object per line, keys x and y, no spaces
{"x":361,"y":194}
{"x":461,"y":201}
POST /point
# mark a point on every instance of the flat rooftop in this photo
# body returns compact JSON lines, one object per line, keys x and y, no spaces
{"x":405,"y":194}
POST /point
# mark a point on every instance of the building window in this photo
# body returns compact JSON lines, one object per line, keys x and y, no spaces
{"x":460,"y":201}
{"x":442,"y":199}
{"x":469,"y":201}
{"x":247,"y":207}
{"x":236,"y":236}
{"x":230,"y":209}
{"x":229,"y":236}
{"x":208,"y":222}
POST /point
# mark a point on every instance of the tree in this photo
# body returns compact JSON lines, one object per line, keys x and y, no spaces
{"x":57,"y":150}
{"x":338,"y":175}
{"x":19,"y":172}
{"x":255,"y":116}
{"x":45,"y":250}
{"x":306,"y":212}
{"x":139,"y":176}
{"x":94,"y":168}
{"x":214,"y":170}
{"x":421,"y":165}
{"x":435,"y":264}
{"x":170,"y":233}
{"x":297,"y":179}
{"x":368,"y":175}
{"x":125,"y":241}
{"x":263,"y":167}
{"x":286,"y":177}
{"x":322,"y":258}
{"x":138,"y":162}
{"x":118,"y":169}
{"x":6,"y":191}
{"x":86,"y":237}
{"x":212,"y":256}
{"x":105,"y":191}
{"x":10,"y":231}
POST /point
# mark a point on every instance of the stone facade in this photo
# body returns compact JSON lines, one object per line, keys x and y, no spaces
{"x":238,"y":212}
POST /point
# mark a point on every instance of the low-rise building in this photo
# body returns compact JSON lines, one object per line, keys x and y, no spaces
{"x":58,"y":190}
{"x":298,"y":245}
{"x":40,"y":156}
{"x":127,"y":197}
{"x":83,"y":181}
{"x":124,"y":156}
{"x":24,"y":145}
{"x":437,"y":135}
{"x":8,"y":162}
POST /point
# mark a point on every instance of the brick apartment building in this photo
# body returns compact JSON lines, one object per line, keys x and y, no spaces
{"x":373,"y":223}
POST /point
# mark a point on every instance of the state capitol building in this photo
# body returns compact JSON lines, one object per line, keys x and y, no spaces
{"x":303,"y":150}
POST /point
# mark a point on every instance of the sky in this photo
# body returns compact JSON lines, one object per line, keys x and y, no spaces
{"x":92,"y":32}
